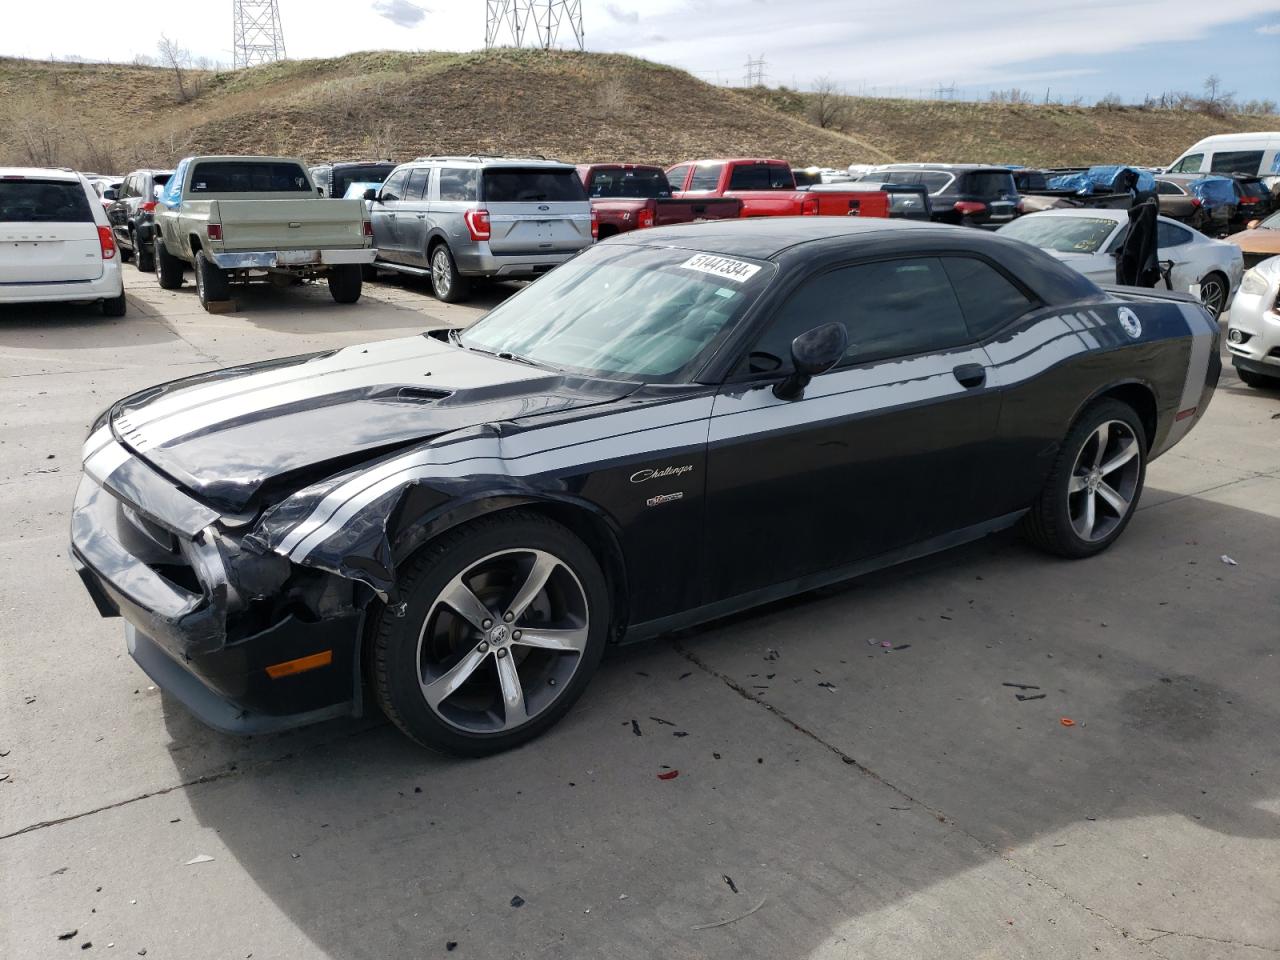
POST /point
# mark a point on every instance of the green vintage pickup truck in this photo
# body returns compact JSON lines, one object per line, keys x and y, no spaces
{"x":240,"y":219}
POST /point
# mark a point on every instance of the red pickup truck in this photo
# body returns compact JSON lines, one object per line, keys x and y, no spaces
{"x":767,"y":188}
{"x":632,"y":196}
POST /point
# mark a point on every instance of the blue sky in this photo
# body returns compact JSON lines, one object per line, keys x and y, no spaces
{"x":1087,"y":48}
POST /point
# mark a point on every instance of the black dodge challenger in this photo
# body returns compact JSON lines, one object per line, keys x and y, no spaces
{"x":675,"y":425}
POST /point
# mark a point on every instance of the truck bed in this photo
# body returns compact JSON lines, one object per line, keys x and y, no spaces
{"x":303,"y":224}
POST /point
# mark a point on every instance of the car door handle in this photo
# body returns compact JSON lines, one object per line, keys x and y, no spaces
{"x":971,"y":374}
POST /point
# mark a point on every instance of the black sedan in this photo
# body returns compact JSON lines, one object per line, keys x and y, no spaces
{"x":675,"y":425}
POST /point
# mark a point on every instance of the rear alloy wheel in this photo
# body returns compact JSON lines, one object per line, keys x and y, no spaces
{"x":449,"y":285}
{"x":1213,"y":294}
{"x":1094,"y":486}
{"x":168,"y":267}
{"x":345,"y":282}
{"x":504,"y":624}
{"x":211,"y":281}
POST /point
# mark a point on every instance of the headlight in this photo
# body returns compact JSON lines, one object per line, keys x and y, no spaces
{"x":1253,"y":284}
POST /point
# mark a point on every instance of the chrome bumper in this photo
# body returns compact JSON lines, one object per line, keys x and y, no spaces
{"x":271,"y":259}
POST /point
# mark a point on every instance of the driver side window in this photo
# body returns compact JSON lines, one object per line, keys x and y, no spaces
{"x":393,"y":189}
{"x":891,"y":308}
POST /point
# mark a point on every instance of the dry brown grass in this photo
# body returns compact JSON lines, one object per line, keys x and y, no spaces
{"x":583,"y":107}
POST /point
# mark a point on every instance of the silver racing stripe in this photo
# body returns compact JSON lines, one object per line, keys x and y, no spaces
{"x":95,"y":442}
{"x":106,"y":461}
{"x":653,"y":442}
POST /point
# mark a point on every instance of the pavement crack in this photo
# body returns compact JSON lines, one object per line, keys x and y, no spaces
{"x":227,"y":774}
{"x":942,"y":817}
{"x":198,"y":350}
{"x":1207,"y":939}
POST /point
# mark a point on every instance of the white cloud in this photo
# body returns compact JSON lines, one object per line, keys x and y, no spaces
{"x":1269,"y":30}
{"x":400,"y":12}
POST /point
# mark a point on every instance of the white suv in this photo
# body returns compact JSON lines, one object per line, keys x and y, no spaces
{"x":55,"y":241}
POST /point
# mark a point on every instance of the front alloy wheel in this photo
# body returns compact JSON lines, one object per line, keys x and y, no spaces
{"x":505,"y":622}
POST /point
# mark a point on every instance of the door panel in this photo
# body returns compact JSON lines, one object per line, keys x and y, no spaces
{"x":870,"y":459}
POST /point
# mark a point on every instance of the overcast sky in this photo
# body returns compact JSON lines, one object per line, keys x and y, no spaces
{"x":1088,"y":48}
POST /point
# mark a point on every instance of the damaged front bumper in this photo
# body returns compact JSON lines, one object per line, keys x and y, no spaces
{"x":197,"y":623}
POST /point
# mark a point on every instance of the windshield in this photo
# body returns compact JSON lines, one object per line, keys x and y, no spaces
{"x":624,"y":312}
{"x":1272,"y":222}
{"x":615,"y":182}
{"x":1062,"y":234}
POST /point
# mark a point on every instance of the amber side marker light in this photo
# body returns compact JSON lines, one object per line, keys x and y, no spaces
{"x":301,"y":665}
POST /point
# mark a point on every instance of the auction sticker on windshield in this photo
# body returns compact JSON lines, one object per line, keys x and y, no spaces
{"x":739,"y":271}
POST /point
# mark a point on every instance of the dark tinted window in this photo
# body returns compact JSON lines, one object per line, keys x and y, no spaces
{"x":676,"y":176}
{"x":393,"y":188}
{"x":706,"y":176}
{"x":1029,"y":180}
{"x":632,"y":184}
{"x":248,"y":176}
{"x":1168,"y":235}
{"x":761,"y":176}
{"x":458,"y":183}
{"x":534,"y":185}
{"x":43,"y":201}
{"x":988,"y":299}
{"x":893,"y":308}
{"x":416,"y":188}
{"x":345,"y":176}
{"x":934,"y":181}
{"x":1167,"y":189}
{"x":987,"y":184}
{"x":1237,"y":161}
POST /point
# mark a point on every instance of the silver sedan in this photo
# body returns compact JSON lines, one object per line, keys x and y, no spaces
{"x":1089,"y":240}
{"x":1253,"y":328}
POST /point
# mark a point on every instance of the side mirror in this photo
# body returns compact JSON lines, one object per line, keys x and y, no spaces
{"x":371,"y":194}
{"x":813,"y":353}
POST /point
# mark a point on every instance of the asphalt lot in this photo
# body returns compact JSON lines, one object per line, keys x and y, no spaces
{"x":913,"y":808}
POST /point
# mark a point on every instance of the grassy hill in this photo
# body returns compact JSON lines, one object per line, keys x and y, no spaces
{"x":571,"y":105}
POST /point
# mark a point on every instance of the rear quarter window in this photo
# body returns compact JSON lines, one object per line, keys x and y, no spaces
{"x":532,"y":185}
{"x":458,"y":183}
{"x":1236,"y":161}
{"x":988,"y":299}
{"x":44,"y":201}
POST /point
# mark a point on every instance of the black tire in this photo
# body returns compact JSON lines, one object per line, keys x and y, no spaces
{"x":1049,"y":524}
{"x":1215,"y":281}
{"x":396,"y":664}
{"x":211,"y":281}
{"x":115,"y":306}
{"x":145,"y":259}
{"x":368,"y":272}
{"x":449,"y":285}
{"x":168,"y":267}
{"x":345,"y":282}
{"x":126,"y":255}
{"x":1259,"y":381}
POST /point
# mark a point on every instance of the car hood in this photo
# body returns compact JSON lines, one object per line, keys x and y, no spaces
{"x":1257,"y":241}
{"x":1083,"y":262}
{"x":238,"y":437}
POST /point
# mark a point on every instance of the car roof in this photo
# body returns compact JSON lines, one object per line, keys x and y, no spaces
{"x":41,"y":173}
{"x":1259,"y":136}
{"x":481,"y":160}
{"x":947,"y":167}
{"x":762,"y":238}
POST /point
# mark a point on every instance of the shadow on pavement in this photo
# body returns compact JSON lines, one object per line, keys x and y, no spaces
{"x":912,"y":770}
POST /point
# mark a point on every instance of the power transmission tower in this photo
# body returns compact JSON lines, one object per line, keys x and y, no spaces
{"x":532,"y":23}
{"x":259,"y":37}
{"x":755,"y":71}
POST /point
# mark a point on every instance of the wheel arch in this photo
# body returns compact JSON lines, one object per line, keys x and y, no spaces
{"x":195,"y":245}
{"x":1137,"y":394}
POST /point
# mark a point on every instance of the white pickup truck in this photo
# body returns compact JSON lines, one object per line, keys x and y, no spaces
{"x":239,"y":219}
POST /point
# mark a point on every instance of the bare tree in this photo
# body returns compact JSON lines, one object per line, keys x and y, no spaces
{"x":1216,"y":100}
{"x":829,"y":105}
{"x":380,"y":138}
{"x":177,"y":59}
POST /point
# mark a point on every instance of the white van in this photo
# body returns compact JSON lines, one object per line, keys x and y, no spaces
{"x":1256,"y":154}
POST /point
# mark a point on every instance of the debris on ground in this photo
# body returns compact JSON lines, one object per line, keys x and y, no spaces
{"x":68,"y":935}
{"x":1067,"y":722}
{"x":771,"y":654}
{"x":723,"y":923}
{"x":635,"y":728}
{"x":517,"y":901}
{"x":683,"y":675}
{"x":827,"y":685}
{"x":902,"y":646}
{"x":1020,"y":686}
{"x":451,"y":945}
{"x":669,"y":775}
{"x":1024,"y":697}
{"x":1228,"y":561}
{"x":199,"y":858}
{"x":665,"y":723}
{"x":680,"y":733}
{"x":729,"y":880}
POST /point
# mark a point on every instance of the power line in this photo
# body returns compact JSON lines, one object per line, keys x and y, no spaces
{"x":532,"y":23}
{"x":258,"y":34}
{"x":755,"y":71}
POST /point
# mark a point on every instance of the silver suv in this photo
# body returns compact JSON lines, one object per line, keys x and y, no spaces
{"x":458,"y":218}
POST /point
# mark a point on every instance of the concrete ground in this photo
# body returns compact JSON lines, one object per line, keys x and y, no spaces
{"x":912,"y":807}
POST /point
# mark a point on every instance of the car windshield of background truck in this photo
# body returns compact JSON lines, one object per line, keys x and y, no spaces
{"x":248,"y":176}
{"x":533,"y":185}
{"x":988,"y":184}
{"x":1063,"y":234}
{"x":623,"y":312}
{"x":43,"y":201}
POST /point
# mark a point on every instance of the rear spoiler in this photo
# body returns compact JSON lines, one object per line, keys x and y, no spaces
{"x":1148,"y":293}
